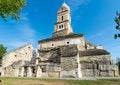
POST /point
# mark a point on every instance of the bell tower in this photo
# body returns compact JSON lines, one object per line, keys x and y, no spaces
{"x":63,"y":25}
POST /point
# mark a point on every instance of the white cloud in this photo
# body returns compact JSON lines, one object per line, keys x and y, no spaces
{"x":26,"y":31}
{"x":16,"y":44}
{"x":75,"y":4}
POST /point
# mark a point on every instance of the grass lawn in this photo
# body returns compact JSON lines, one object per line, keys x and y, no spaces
{"x":43,"y":81}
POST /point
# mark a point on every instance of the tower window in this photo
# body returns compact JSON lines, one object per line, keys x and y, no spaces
{"x":62,"y":18}
{"x":62,"y":26}
{"x":59,"y":26}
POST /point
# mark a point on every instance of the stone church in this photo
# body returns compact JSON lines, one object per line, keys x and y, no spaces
{"x":66,"y":55}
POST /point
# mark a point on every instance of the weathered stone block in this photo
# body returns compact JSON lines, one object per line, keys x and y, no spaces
{"x":103,"y":73}
{"x":54,"y":74}
{"x":117,"y":74}
{"x":68,"y":74}
{"x":69,"y":51}
{"x":88,"y":72}
{"x":110,"y":73}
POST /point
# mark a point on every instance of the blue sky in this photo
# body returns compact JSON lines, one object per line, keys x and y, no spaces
{"x":94,"y":18}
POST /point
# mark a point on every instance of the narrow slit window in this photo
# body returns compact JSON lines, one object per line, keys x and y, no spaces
{"x":62,"y":18}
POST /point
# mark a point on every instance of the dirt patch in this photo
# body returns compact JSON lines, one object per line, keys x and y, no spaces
{"x":32,"y":82}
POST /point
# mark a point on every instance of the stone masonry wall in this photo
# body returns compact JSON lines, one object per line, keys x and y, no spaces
{"x":24,"y":53}
{"x":14,"y":60}
{"x":99,"y":66}
{"x":53,"y":44}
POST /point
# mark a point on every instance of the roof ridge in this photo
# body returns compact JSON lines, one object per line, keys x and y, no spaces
{"x":18,"y":48}
{"x":72,"y":35}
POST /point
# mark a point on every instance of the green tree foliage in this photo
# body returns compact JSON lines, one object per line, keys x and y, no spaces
{"x":117,"y":20}
{"x":11,"y":8}
{"x":2,"y":52}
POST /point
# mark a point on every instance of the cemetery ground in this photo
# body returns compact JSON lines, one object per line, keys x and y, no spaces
{"x":51,"y":81}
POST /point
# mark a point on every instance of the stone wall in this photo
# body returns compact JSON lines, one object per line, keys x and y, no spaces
{"x":60,"y":33}
{"x":59,"y":61}
{"x":53,"y":44}
{"x":73,"y":61}
{"x":98,"y":65}
{"x":24,"y":53}
{"x":69,"y":63}
{"x":14,"y":60}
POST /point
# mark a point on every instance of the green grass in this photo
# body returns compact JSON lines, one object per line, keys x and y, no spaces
{"x":11,"y":81}
{"x":96,"y":82}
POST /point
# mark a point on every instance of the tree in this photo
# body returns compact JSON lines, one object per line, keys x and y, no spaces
{"x":117,"y":20}
{"x":2,"y":52}
{"x":11,"y":8}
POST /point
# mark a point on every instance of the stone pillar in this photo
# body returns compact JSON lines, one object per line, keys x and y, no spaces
{"x":60,"y":74}
{"x":39,"y":72}
{"x":3,"y":72}
{"x":22,"y":72}
{"x":29,"y":72}
{"x":37,"y":61}
{"x":79,"y":73}
{"x":16,"y":72}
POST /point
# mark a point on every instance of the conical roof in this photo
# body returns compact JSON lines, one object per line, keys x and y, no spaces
{"x":65,"y":5}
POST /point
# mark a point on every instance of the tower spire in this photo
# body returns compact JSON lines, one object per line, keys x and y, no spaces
{"x":63,"y":26}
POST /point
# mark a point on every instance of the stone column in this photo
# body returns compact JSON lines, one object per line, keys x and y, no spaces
{"x":29,"y":72}
{"x":22,"y":72}
{"x":79,"y":73}
{"x":39,"y":72}
{"x":3,"y":72}
{"x":60,"y":74}
{"x":37,"y":61}
{"x":16,"y":72}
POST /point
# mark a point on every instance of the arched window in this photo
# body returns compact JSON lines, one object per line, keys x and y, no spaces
{"x":59,"y":26}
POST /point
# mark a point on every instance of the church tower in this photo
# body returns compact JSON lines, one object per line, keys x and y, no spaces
{"x":63,"y":25}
